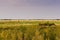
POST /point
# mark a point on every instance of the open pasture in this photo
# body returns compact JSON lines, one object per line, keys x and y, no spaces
{"x":29,"y":29}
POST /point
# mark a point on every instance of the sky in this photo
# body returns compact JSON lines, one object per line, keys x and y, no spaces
{"x":29,"y":9}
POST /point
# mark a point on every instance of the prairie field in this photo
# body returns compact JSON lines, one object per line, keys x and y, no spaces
{"x":30,"y":29}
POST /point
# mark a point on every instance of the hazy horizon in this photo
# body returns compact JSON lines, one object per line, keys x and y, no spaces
{"x":29,"y":9}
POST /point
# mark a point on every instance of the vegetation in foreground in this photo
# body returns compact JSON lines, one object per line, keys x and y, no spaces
{"x":37,"y":30}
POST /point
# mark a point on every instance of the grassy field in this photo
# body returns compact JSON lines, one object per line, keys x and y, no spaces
{"x":29,"y":29}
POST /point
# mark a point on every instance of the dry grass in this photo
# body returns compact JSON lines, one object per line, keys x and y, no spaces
{"x":28,"y":30}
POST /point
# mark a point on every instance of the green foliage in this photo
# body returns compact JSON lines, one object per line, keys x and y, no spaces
{"x":16,"y":31}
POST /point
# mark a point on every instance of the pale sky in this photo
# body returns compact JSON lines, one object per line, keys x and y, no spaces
{"x":29,"y":9}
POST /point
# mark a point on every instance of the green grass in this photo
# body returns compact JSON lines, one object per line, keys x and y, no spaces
{"x":29,"y":30}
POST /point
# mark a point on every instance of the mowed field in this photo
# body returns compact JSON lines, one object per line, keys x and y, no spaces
{"x":29,"y":29}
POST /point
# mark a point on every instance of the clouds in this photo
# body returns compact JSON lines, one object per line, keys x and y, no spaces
{"x":42,"y":2}
{"x":27,"y":2}
{"x":12,"y":3}
{"x":29,"y":9}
